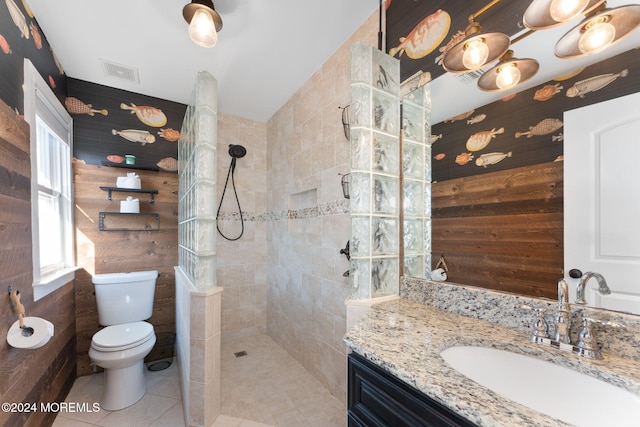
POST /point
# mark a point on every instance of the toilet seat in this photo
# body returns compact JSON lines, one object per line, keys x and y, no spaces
{"x":122,"y":337}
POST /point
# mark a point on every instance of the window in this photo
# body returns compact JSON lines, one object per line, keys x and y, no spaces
{"x":51,"y":185}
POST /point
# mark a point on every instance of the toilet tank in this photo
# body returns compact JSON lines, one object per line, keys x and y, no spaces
{"x":124,"y":297}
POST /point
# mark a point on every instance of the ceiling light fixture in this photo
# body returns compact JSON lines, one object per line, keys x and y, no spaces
{"x":543,"y":14}
{"x":476,"y":49}
{"x":564,"y":10}
{"x":598,"y":31}
{"x":508,"y":73}
{"x":204,"y":22}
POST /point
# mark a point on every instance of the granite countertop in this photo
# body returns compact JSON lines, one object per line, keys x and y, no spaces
{"x":405,"y":338}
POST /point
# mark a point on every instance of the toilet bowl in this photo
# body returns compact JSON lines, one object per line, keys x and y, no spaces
{"x":120,"y":350}
{"x":124,"y":301}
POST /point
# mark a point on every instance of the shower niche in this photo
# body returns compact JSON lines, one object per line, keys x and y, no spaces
{"x":303,"y":207}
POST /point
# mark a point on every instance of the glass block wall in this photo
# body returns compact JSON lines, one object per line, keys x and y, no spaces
{"x":416,"y":168}
{"x":374,"y":117}
{"x":197,"y":190}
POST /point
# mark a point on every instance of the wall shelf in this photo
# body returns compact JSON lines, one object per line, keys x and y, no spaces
{"x":152,"y":193}
{"x":119,"y":221}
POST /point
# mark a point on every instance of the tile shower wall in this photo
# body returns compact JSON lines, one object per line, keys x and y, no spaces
{"x":241,"y":264}
{"x":309,"y":219}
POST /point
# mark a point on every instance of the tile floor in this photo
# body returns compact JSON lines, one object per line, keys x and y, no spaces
{"x":265,"y":388}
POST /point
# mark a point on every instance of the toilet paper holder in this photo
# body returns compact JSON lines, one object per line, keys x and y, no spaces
{"x":18,"y":308}
{"x":442,"y":263}
{"x":27,"y":332}
{"x":439,"y":274}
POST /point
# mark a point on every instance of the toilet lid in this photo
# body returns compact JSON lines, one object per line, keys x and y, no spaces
{"x":121,"y":337}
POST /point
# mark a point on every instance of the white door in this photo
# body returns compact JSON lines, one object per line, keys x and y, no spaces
{"x":602,"y":199}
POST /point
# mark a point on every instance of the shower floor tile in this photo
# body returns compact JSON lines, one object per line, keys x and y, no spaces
{"x":269,"y":386}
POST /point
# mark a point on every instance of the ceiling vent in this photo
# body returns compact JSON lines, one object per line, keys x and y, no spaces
{"x":119,"y":71}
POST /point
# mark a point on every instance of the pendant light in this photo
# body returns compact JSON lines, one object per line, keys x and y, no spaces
{"x":509,"y":72}
{"x":476,"y":50}
{"x":204,"y":22}
{"x":564,"y":10}
{"x":598,"y":31}
{"x":543,"y":14}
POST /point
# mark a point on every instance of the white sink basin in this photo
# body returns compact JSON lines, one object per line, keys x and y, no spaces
{"x":554,"y":390}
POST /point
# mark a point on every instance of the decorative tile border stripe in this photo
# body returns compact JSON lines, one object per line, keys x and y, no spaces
{"x":334,"y":207}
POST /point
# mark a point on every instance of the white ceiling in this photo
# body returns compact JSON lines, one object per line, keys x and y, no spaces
{"x":266,"y":50}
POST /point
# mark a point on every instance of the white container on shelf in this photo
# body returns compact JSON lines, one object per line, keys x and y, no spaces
{"x":132,"y":180}
{"x":130,"y":205}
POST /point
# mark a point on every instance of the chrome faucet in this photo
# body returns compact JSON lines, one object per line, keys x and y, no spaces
{"x":582,"y":284}
{"x":587,"y":346}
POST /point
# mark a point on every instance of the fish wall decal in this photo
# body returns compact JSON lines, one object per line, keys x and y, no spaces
{"x":434,"y":138}
{"x":593,"y":84}
{"x":37,"y":38}
{"x":547,"y":92}
{"x":169,"y":134}
{"x":115,"y":158}
{"x":425,"y":36}
{"x":491,"y":158}
{"x":18,"y":18}
{"x":27,"y":9}
{"x":4,"y":45}
{"x":545,"y":127}
{"x":476,"y":119}
{"x":75,"y":106}
{"x":463,"y":158}
{"x":135,"y":135}
{"x":148,"y":115}
{"x":460,"y":116}
{"x":479,"y":140}
{"x":169,"y":164}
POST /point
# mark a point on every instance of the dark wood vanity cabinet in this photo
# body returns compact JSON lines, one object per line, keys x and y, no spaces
{"x":377,"y":398}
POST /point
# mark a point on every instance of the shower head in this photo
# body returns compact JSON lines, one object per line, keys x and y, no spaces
{"x":237,"y":151}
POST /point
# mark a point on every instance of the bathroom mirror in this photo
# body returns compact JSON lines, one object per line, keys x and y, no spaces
{"x":438,"y":101}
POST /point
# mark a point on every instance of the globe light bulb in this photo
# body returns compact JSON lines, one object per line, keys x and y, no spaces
{"x":202,"y":29}
{"x":475,"y":54}
{"x":564,"y":10}
{"x":508,"y":76}
{"x":597,"y":36}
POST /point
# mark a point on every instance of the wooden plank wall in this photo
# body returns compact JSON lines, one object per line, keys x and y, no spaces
{"x":121,"y":251}
{"x":45,"y":374}
{"x":502,"y":230}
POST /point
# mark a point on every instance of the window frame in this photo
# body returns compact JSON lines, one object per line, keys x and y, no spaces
{"x":38,"y":97}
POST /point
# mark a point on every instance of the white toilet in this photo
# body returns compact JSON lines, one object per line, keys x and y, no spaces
{"x":124,"y":301}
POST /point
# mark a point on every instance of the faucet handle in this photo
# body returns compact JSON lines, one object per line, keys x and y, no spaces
{"x":540,"y":329}
{"x":587,"y":344}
